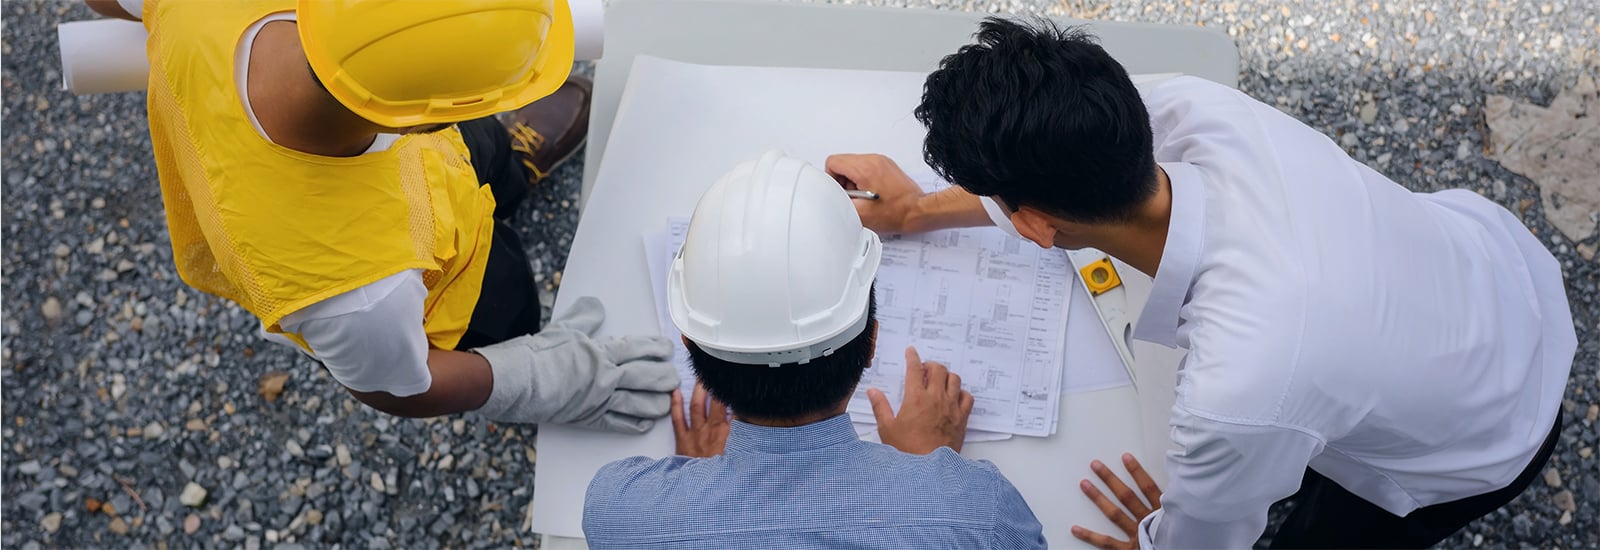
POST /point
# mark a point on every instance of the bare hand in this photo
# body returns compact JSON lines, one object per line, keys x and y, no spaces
{"x":704,"y":433}
{"x":894,"y":210}
{"x":933,"y":412}
{"x":1139,"y":508}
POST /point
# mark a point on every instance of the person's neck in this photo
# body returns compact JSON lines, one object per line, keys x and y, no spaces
{"x":793,"y":422}
{"x":292,"y":108}
{"x":325,"y":127}
{"x":1139,"y":240}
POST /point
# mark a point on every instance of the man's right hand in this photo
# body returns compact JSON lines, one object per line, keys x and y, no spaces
{"x":894,"y":211}
{"x":933,"y":410}
{"x":565,"y":375}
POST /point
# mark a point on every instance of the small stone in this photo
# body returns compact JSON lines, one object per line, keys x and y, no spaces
{"x":1369,"y":113}
{"x":293,"y":448}
{"x":342,"y":454}
{"x":271,"y":385}
{"x":1566,"y":518}
{"x":124,"y":266}
{"x":1565,"y":501}
{"x":1594,"y":413}
{"x":313,"y":517}
{"x":1552,"y":478}
{"x":91,"y":504}
{"x":1585,"y":452}
{"x":195,"y":425}
{"x":446,"y":462}
{"x":191,"y":524}
{"x":51,"y":522}
{"x":51,"y":309}
{"x":233,"y":533}
{"x":118,"y":526}
{"x":193,"y":495}
{"x":30,"y":468}
{"x":153,"y":430}
{"x":377,"y":482}
{"x":458,"y":427}
{"x":224,"y":462}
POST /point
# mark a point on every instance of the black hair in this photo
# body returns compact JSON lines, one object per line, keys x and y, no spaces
{"x":1039,"y":115}
{"x":789,"y":391}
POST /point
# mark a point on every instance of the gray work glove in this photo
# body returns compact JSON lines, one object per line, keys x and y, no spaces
{"x":563,"y":375}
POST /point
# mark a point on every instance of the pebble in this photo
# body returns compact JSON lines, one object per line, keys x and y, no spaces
{"x":51,"y":522}
{"x":377,"y":482}
{"x":342,"y":454}
{"x":50,"y":309}
{"x":1564,"y":501}
{"x":193,"y":495}
{"x":1552,"y":478}
{"x":191,"y":524}
{"x":294,"y":449}
{"x":1593,"y":415}
{"x":118,"y":526}
{"x":29,"y":468}
{"x":153,"y":430}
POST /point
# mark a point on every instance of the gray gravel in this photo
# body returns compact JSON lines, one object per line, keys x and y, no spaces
{"x":128,"y":397}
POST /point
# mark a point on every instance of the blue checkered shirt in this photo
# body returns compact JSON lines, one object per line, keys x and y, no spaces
{"x":813,"y":486}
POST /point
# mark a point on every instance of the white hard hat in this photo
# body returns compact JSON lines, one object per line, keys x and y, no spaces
{"x":776,"y":267}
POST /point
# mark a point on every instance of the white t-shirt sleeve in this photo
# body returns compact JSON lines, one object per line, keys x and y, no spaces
{"x":133,"y":7}
{"x":1222,"y":479}
{"x":371,"y":338}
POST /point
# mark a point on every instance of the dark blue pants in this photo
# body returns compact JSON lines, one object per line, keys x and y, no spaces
{"x":508,"y":306}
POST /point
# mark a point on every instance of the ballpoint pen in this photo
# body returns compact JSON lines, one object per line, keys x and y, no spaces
{"x":860,"y":194}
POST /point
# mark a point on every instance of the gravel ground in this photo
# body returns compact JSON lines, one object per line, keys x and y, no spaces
{"x":124,"y":390}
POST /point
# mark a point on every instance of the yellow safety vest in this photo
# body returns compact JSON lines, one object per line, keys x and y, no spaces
{"x":276,"y":230}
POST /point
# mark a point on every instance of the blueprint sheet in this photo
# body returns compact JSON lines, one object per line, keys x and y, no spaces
{"x":991,"y":307}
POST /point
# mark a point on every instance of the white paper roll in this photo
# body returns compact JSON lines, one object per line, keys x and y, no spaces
{"x":103,"y":56}
{"x":588,"y":29}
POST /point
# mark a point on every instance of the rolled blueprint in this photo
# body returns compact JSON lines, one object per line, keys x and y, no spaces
{"x":103,"y":56}
{"x":588,"y":29}
{"x":108,"y":55}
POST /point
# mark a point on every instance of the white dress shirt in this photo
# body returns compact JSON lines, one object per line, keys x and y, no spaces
{"x":1411,"y":347}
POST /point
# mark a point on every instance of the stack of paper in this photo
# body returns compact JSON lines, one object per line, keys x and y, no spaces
{"x":991,"y":307}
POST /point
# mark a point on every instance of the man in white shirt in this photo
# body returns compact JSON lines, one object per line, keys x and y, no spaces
{"x":1398,"y":357}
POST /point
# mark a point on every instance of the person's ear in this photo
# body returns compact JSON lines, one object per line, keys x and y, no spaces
{"x":1035,"y":226}
{"x":872,"y":345}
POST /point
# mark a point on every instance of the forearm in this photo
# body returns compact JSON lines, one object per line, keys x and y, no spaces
{"x":950,"y":208}
{"x":462,"y":382}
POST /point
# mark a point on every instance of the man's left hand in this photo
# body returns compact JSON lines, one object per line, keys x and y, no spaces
{"x":702,"y":433}
{"x":1128,"y":524}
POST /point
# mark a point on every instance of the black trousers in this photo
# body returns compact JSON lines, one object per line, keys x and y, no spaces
{"x":508,"y":306}
{"x":1327,"y":516}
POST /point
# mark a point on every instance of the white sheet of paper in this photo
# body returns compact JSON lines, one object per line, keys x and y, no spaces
{"x":681,"y":126}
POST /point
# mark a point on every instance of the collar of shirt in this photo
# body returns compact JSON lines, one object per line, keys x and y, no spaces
{"x":749,"y":438}
{"x":1158,"y":322}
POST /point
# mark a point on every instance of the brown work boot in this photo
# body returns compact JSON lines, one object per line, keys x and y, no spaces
{"x":547,"y":132}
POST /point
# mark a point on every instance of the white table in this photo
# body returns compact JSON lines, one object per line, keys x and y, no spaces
{"x":607,"y":259}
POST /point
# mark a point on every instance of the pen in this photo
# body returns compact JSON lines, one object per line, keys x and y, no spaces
{"x":859,"y":194}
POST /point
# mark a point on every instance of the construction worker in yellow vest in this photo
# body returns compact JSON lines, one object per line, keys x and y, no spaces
{"x":333,"y":166}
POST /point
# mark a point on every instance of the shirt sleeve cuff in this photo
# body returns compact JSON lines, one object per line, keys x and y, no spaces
{"x":999,"y":216}
{"x":1147,"y":530}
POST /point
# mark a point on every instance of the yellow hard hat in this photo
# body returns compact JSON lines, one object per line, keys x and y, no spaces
{"x":403,"y":63}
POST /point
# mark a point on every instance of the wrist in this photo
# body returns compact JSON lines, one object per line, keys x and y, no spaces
{"x":919,"y":216}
